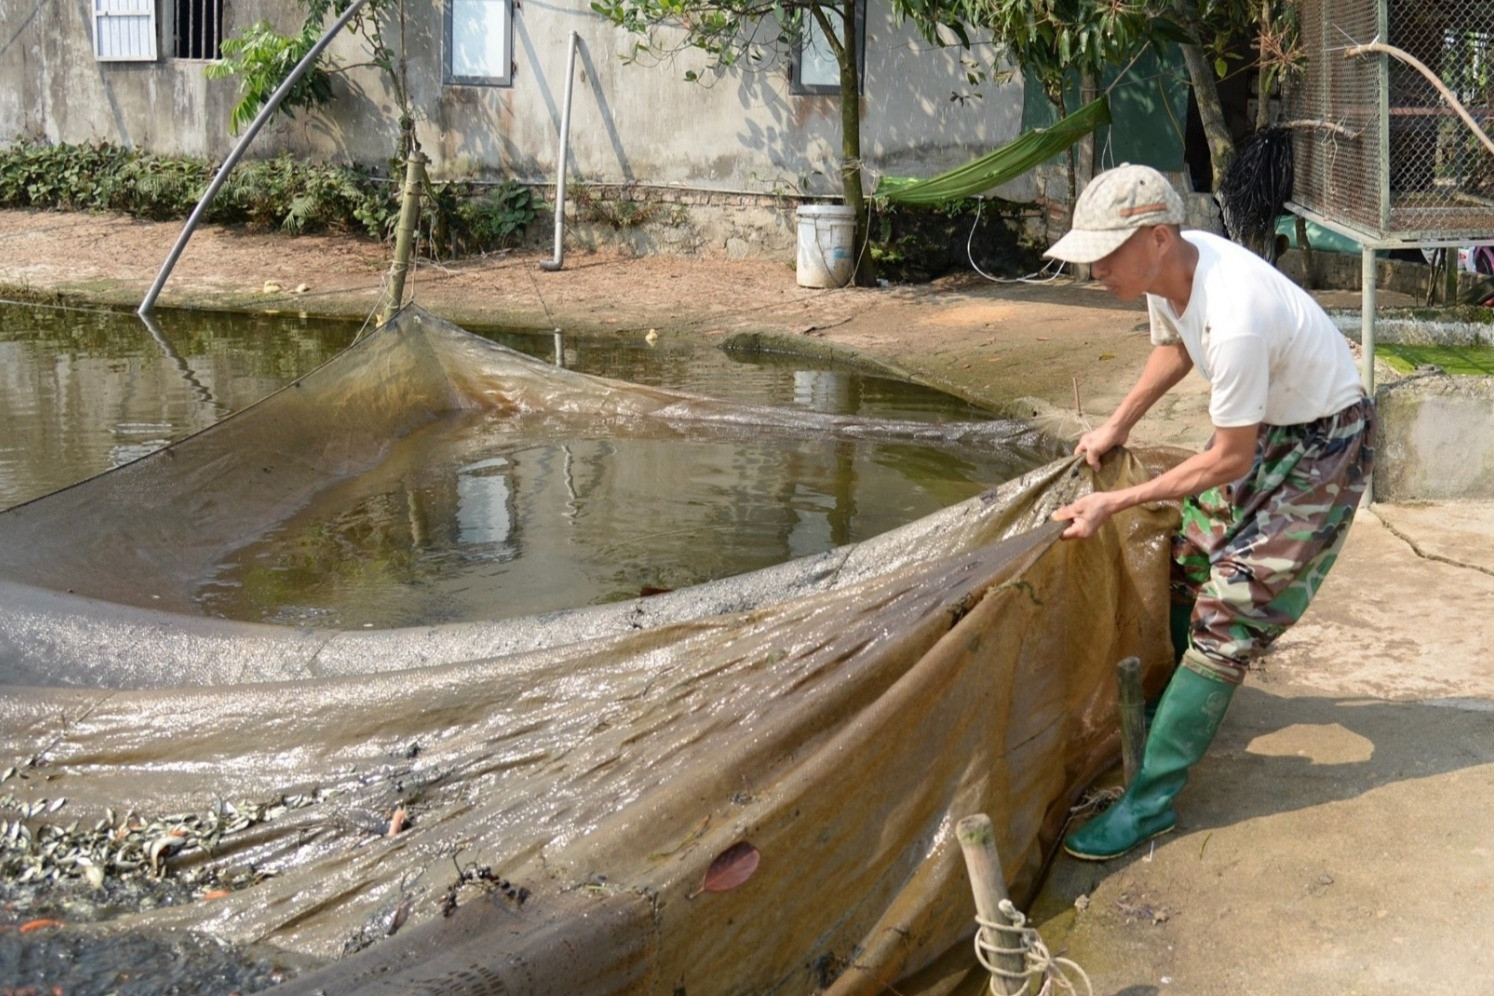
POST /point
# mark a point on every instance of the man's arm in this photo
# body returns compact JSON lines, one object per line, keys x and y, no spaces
{"x":1229,"y":458}
{"x":1164,"y":368}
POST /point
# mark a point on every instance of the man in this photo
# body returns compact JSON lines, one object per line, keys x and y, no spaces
{"x":1268,"y":502}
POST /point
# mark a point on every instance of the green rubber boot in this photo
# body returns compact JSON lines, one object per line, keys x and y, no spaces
{"x":1179,"y":625}
{"x":1188,"y":716}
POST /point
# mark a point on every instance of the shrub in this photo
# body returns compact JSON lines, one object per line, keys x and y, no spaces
{"x":282,"y":193}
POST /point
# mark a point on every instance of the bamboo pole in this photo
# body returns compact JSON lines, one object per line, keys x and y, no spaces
{"x":977,"y":839}
{"x":404,"y":235}
{"x":1132,"y":716}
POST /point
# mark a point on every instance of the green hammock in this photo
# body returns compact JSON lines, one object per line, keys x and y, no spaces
{"x":998,"y":166}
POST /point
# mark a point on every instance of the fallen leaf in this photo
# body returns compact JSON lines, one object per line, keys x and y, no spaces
{"x":731,"y":868}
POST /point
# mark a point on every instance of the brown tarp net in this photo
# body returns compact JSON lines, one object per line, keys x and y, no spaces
{"x":836,"y":715}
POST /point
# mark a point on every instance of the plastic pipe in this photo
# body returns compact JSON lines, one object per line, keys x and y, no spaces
{"x":565,"y":141}
{"x":238,"y":151}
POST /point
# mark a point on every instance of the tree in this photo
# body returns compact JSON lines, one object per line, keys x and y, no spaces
{"x":261,"y":58}
{"x":750,"y":34}
{"x":1055,"y":40}
{"x":1213,"y":31}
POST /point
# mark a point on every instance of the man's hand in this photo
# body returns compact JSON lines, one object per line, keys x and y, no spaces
{"x":1095,"y":443}
{"x":1088,"y":514}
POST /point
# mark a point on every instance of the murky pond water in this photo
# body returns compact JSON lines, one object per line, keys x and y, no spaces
{"x":479,"y":517}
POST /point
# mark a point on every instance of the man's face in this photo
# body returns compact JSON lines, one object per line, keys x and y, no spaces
{"x":1131,"y":270}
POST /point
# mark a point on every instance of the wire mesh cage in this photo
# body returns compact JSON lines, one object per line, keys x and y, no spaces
{"x":1378,"y":147}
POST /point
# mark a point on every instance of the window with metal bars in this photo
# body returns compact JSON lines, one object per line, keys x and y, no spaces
{"x":198,"y":31}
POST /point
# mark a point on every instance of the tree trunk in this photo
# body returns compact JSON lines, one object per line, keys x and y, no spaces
{"x":850,"y":143}
{"x":1206,"y":94}
{"x":1084,"y":160}
{"x":1262,"y":74}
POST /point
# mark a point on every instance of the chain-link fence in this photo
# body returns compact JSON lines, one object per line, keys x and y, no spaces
{"x":1378,"y":148}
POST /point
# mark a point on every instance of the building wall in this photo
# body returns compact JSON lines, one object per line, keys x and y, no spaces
{"x":634,"y":123}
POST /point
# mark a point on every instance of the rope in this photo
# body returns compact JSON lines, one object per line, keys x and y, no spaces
{"x":1039,"y":961}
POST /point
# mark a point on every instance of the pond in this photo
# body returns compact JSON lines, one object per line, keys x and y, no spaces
{"x":481,"y":517}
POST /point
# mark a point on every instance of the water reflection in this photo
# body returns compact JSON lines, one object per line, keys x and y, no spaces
{"x":477,"y":516}
{"x":84,"y":391}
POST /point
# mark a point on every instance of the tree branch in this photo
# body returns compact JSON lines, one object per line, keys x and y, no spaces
{"x":1416,"y":64}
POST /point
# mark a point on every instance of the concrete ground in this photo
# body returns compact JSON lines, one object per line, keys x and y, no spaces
{"x":1337,"y":837}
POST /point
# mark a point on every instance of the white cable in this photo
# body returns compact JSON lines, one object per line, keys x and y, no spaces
{"x":1040,"y":277}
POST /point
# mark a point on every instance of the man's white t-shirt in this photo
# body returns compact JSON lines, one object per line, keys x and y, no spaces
{"x":1269,"y":352}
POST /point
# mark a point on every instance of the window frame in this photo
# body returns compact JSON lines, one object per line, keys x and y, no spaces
{"x":798,"y":87}
{"x":448,"y":75}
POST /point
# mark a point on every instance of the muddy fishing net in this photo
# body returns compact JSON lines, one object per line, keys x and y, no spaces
{"x":746,"y":786}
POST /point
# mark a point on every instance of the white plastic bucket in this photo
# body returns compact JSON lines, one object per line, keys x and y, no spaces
{"x":827,"y":239}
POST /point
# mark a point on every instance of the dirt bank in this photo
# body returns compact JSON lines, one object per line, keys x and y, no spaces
{"x":1334,"y":841}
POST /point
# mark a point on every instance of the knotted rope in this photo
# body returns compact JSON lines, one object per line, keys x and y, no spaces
{"x":1029,"y":944}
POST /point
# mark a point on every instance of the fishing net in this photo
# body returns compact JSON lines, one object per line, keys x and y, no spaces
{"x":746,"y":786}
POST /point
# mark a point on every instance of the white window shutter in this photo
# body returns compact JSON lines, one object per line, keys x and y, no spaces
{"x":124,"y":30}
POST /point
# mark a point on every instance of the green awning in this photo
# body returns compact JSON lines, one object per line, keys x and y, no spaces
{"x":998,"y":166}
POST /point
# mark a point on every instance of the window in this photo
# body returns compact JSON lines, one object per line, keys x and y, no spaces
{"x":124,"y":30}
{"x":479,"y":42}
{"x":815,"y":69}
{"x":198,"y":29}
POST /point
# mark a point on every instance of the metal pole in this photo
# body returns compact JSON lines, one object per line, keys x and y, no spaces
{"x":565,"y":141}
{"x":404,"y":235}
{"x":1367,"y":321}
{"x":238,"y":151}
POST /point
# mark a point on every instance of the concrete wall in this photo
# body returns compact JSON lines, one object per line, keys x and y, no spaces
{"x":1435,"y":439}
{"x":639,"y":125}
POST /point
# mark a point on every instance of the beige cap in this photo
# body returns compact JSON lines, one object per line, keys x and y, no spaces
{"x":1114,"y":205}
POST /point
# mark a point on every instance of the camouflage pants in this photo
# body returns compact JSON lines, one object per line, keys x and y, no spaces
{"x":1251,"y":555}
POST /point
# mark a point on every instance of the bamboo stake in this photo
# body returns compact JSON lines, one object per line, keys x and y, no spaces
{"x":977,"y":839}
{"x":1416,"y":64}
{"x":1132,"y":716}
{"x":404,"y":236}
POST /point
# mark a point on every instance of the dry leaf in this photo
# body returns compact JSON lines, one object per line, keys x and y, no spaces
{"x":731,"y":868}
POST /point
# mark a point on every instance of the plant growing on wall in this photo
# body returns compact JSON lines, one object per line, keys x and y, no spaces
{"x":260,"y":58}
{"x":751,"y":34}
